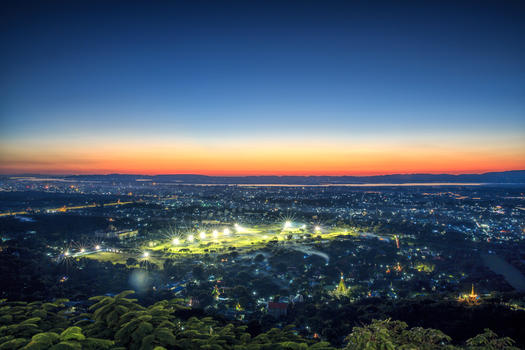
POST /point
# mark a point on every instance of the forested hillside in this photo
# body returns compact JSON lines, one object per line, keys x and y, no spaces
{"x":120,"y":322}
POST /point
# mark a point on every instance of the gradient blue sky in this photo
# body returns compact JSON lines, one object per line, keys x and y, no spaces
{"x":346,"y":75}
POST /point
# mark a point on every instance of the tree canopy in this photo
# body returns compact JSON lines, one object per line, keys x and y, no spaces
{"x":120,"y":322}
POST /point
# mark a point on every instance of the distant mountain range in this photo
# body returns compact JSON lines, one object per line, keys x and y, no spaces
{"x":507,"y":177}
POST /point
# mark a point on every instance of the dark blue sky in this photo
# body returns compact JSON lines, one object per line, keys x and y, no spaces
{"x":297,"y":68}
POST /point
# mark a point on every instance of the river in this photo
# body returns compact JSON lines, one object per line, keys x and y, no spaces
{"x":512,"y":275}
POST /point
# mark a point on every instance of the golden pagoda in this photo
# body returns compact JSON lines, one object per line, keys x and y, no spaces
{"x":471,"y":299}
{"x":341,"y":289}
{"x":473,"y":295}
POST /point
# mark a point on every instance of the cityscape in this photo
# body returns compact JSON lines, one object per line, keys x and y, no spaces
{"x":262,"y":175}
{"x":261,"y":254}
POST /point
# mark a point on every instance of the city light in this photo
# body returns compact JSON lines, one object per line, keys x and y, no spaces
{"x":317,"y":228}
{"x":190,"y":238}
{"x":145,"y":255}
{"x":226,"y":232}
{"x":287,"y":225}
{"x":303,"y":226}
{"x":202,"y":235}
{"x":66,"y":253}
{"x":82,"y":250}
{"x":175,"y":241}
{"x":215,"y":234}
{"x":97,"y":247}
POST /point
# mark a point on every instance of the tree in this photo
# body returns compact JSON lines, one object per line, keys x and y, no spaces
{"x":70,"y":338}
{"x":489,"y":340}
{"x":107,"y":312}
{"x":390,"y":335}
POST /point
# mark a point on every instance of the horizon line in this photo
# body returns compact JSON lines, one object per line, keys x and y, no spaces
{"x":260,"y":175}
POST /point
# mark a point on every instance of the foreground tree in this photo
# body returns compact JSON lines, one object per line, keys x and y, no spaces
{"x":107,"y":312}
{"x":120,"y":323}
{"x":489,"y":340}
{"x":390,"y":335}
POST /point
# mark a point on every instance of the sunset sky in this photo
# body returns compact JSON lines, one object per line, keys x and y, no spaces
{"x":243,"y":88}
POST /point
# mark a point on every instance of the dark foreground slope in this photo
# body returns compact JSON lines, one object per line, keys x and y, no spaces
{"x":119,"y":322}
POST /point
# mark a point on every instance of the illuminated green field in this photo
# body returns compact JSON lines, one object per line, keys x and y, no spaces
{"x":240,"y":239}
{"x":243,"y":238}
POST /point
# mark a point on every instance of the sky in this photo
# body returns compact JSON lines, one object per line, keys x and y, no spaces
{"x":262,"y":87}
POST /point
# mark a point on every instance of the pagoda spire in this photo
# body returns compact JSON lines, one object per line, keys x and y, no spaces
{"x":341,"y":288}
{"x":471,"y":299}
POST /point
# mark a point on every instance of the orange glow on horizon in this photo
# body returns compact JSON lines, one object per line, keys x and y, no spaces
{"x":257,"y":159}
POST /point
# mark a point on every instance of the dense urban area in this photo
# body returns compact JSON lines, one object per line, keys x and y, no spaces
{"x":234,"y":266}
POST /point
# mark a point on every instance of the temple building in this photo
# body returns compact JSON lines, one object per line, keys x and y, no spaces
{"x":341,"y":289}
{"x":471,"y":299}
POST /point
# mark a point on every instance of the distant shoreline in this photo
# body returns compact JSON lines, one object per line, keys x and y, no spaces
{"x":413,"y":184}
{"x":514,"y":177}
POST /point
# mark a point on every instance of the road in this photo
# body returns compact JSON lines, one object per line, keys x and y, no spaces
{"x":63,"y":209}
